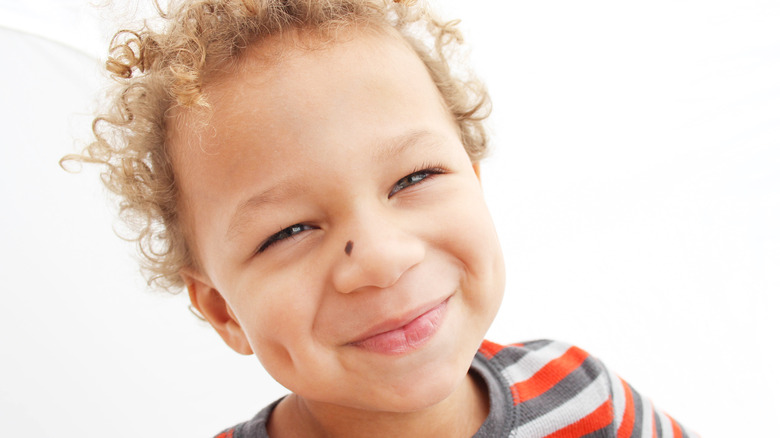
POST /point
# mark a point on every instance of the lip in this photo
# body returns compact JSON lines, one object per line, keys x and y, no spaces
{"x":402,"y":335}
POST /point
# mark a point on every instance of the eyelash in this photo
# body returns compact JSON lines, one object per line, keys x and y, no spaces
{"x":427,"y":171}
{"x":412,"y":179}
{"x":283,"y":234}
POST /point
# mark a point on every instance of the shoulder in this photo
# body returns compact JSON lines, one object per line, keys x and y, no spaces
{"x":536,"y":366}
{"x":254,"y":428}
{"x":554,"y":386}
{"x":558,"y":388}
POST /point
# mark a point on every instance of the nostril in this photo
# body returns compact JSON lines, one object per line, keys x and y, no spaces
{"x":348,"y":248}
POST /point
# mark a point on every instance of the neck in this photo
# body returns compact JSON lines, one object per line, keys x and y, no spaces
{"x":459,"y":415}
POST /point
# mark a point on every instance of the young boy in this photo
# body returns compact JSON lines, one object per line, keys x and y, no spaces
{"x":309,"y":171}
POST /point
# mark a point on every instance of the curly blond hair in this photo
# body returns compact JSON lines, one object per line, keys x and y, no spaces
{"x":158,"y":71}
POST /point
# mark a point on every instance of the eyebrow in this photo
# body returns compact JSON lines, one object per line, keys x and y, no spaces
{"x":394,"y":146}
{"x":273,"y":195}
{"x":383,"y":151}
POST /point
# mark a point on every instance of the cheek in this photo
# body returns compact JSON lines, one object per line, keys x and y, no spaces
{"x":276,"y":314}
{"x":471,"y":231}
{"x":473,"y":240}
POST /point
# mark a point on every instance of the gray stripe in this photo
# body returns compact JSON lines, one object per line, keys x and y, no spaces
{"x":500,"y":418}
{"x":638,"y":413}
{"x":682,"y":429}
{"x":559,"y":394}
{"x":256,"y":427}
{"x":535,"y":345}
{"x":658,"y":430}
{"x":511,"y":354}
{"x":575,"y":409}
{"x":605,"y":432}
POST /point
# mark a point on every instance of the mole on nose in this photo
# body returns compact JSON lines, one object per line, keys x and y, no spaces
{"x":348,"y":248}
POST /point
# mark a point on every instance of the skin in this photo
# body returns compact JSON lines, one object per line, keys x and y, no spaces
{"x":350,"y":142}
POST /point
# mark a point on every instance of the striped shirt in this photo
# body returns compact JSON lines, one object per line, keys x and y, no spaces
{"x":554,"y":390}
{"x":545,"y":389}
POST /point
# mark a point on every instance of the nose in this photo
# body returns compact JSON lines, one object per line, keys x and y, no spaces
{"x":380,"y":251}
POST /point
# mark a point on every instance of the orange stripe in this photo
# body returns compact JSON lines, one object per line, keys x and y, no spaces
{"x":596,"y":420}
{"x":627,"y":426}
{"x":228,"y":434}
{"x":549,"y":376}
{"x":677,"y":433}
{"x":489,"y":349}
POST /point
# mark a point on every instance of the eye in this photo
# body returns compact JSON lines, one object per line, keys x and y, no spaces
{"x":286,"y":233}
{"x":414,"y":178}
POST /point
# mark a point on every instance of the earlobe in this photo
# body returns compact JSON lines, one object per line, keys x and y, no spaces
{"x":209,"y":302}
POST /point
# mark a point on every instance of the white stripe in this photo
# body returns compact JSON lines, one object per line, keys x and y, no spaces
{"x":691,"y":433}
{"x":666,"y":426}
{"x":576,"y":408}
{"x":647,"y":418}
{"x":618,"y":398}
{"x":534,"y":361}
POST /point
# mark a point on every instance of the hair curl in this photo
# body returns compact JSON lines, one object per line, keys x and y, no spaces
{"x":157,"y":71}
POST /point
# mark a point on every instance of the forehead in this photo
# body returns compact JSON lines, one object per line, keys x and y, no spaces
{"x":282,"y":78}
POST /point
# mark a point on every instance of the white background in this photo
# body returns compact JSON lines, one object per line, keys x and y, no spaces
{"x":635,"y":184}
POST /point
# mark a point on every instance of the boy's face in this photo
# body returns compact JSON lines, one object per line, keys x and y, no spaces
{"x":340,"y":226}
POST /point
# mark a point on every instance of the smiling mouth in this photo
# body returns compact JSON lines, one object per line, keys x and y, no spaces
{"x":407,"y":336}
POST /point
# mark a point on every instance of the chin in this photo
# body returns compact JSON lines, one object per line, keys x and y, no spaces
{"x":419,"y":397}
{"x":430,"y":385}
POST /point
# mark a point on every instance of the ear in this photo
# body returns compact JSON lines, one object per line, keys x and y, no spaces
{"x":209,"y":302}
{"x":475,"y":165}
